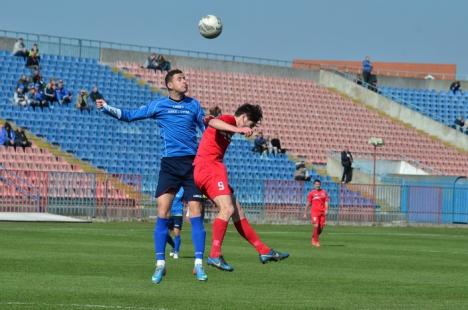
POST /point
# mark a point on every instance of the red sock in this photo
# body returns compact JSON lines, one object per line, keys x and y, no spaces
{"x":246,"y":231}
{"x":320,"y":230}
{"x":315,"y":235}
{"x":219,"y":230}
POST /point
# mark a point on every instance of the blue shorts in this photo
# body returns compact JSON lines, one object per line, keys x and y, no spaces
{"x":177,"y":172}
{"x":175,"y":222}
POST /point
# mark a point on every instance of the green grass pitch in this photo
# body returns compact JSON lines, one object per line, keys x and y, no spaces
{"x":109,"y":266}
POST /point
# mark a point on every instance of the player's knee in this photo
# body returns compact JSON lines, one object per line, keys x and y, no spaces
{"x":163,"y":214}
{"x":227,"y":210}
{"x":195,"y":208}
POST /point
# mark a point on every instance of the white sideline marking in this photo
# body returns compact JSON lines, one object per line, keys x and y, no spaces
{"x":67,"y":306}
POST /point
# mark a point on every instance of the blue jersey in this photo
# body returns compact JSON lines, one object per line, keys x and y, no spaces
{"x":177,"y":204}
{"x":367,"y":66}
{"x":178,"y":122}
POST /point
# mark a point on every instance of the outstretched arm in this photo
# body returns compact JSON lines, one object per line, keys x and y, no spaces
{"x":223,"y":126}
{"x":143,"y":112}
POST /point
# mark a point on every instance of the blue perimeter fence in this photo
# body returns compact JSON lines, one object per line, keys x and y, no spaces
{"x":277,"y":201}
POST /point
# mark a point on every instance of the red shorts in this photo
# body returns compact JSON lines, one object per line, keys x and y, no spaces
{"x":318,"y":218}
{"x":212,"y":179}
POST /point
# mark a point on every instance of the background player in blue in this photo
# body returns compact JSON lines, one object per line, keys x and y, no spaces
{"x":175,"y":223}
{"x":178,"y":117}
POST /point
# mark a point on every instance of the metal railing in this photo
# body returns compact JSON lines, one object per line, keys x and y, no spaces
{"x":383,"y":72}
{"x":28,"y":198}
{"x":369,"y":204}
{"x":78,"y":47}
{"x":74,"y":194}
{"x":86,"y":48}
{"x":92,"y":195}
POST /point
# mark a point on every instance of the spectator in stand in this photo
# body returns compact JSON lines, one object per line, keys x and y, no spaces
{"x":260,"y":144}
{"x":455,"y":87}
{"x":20,"y":97}
{"x":36,"y":98}
{"x":82,"y":101}
{"x":21,"y":139}
{"x":33,"y":58}
{"x":19,"y":49}
{"x":7,"y":135}
{"x":36,"y":78}
{"x":268,"y":144}
{"x":152,"y":62}
{"x":215,"y":111}
{"x":367,"y":70}
{"x":23,"y":83}
{"x":459,"y":123}
{"x":276,"y":145}
{"x":63,"y":95}
{"x":95,"y":94}
{"x":163,"y":64}
{"x":301,"y":173}
{"x":49,"y":93}
{"x":347,"y":162}
{"x":157,"y":62}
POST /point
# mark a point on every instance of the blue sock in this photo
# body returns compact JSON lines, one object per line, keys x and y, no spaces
{"x":177,"y":243}
{"x":198,"y":236}
{"x":160,"y":237}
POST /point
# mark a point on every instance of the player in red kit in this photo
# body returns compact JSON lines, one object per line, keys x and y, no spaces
{"x":210,"y":176}
{"x":318,"y":199}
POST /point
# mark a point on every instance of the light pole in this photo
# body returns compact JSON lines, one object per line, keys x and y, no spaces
{"x":375,"y":142}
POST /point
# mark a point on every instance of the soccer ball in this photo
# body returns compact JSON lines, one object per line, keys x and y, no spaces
{"x":210,"y":26}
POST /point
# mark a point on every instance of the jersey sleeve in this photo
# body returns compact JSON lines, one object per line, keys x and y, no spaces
{"x":150,"y":110}
{"x":200,"y":118}
{"x":229,"y":119}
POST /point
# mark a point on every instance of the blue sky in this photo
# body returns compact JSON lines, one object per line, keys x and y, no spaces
{"x":393,"y":30}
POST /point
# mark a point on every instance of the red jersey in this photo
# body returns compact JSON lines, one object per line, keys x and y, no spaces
{"x":214,"y":143}
{"x":317,"y":199}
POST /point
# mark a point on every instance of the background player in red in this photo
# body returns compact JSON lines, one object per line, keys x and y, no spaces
{"x":318,"y":199}
{"x":211,"y":177}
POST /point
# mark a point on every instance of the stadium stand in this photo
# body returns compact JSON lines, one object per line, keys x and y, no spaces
{"x":312,"y":120}
{"x":35,"y":178}
{"x":442,"y":106}
{"x":135,"y":148}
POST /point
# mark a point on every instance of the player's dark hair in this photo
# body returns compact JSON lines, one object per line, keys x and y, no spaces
{"x":317,"y":180}
{"x":170,"y":75}
{"x":253,"y":112}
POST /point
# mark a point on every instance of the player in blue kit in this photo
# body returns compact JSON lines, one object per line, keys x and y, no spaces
{"x":178,"y":118}
{"x":175,"y":223}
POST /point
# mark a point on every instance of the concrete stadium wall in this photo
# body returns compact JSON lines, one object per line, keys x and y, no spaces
{"x":335,"y":169}
{"x":110,"y":56}
{"x":393,"y":109}
{"x":7,"y":43}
